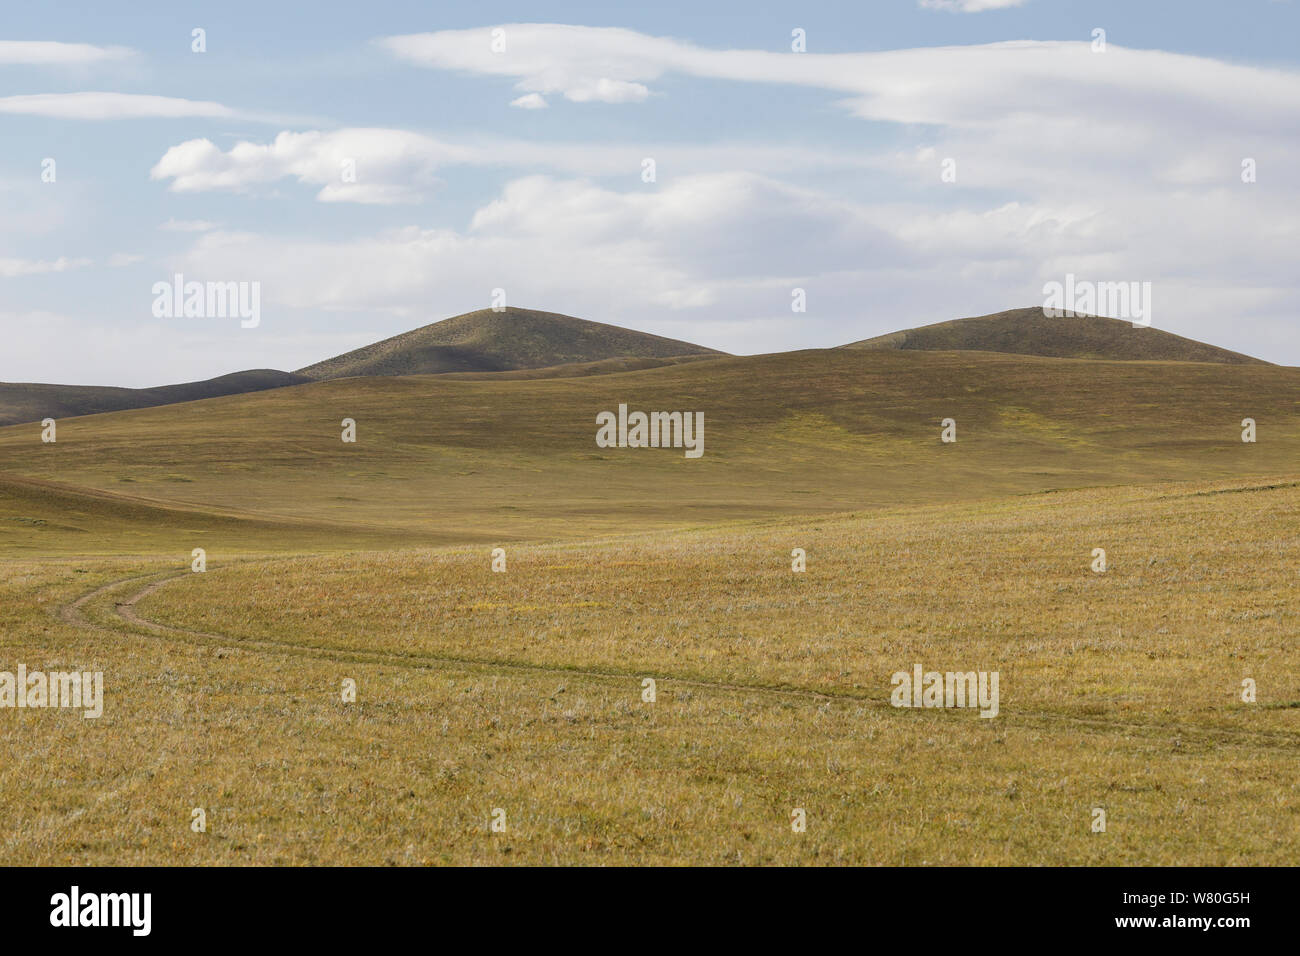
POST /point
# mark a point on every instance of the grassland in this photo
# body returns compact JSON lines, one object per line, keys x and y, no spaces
{"x":522,"y":690}
{"x":799,"y":433}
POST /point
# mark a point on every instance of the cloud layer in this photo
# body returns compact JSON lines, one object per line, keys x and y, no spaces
{"x":926,"y":183}
{"x":389,"y":166}
{"x":111,"y":106}
{"x":50,"y":53}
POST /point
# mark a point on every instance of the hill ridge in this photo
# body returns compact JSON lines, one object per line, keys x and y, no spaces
{"x":32,"y":401}
{"x":488,"y":340}
{"x":530,"y":343}
{"x":1030,"y":332}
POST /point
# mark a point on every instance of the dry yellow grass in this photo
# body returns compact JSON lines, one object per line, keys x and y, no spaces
{"x":522,"y":691}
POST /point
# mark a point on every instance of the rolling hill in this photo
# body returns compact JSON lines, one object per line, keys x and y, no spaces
{"x":515,"y":342}
{"x":31,"y":402}
{"x":1029,"y":332}
{"x":509,"y":340}
{"x":528,"y":344}
{"x":796,"y":433}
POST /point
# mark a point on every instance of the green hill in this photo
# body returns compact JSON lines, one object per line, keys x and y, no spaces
{"x":490,"y":341}
{"x":1029,"y":332}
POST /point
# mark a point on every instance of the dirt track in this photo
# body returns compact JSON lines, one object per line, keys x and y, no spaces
{"x":136,"y":623}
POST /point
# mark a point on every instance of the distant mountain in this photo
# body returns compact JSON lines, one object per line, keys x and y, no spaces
{"x":509,"y":340}
{"x":31,"y":402}
{"x":1029,"y":332}
{"x":524,"y":343}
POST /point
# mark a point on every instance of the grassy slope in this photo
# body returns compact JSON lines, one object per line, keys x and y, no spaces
{"x":1029,"y":332}
{"x":490,"y":341}
{"x":796,"y":433}
{"x":41,"y":517}
{"x":30,"y":402}
{"x":581,"y":369}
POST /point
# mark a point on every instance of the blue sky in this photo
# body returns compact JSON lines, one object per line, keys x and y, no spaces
{"x":521,"y":169}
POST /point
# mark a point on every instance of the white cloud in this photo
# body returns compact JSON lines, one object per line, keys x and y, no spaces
{"x":686,"y":245}
{"x":107,"y":106}
{"x":1116,"y":166}
{"x":394,"y":165}
{"x":187,"y":225}
{"x":135,"y":350}
{"x":962,"y":87}
{"x":713,"y":258}
{"x":605,"y":90}
{"x":584,"y":64}
{"x":1034,"y":117}
{"x":13,"y":268}
{"x":970,"y":6}
{"x":119,"y":106}
{"x":1043,"y":121}
{"x":51,"y":53}
{"x":381,"y":166}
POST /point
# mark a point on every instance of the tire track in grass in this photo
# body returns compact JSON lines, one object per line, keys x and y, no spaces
{"x":138,"y":624}
{"x":123,"y":783}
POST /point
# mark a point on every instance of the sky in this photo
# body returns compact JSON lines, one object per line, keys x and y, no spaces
{"x":374,"y":167}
